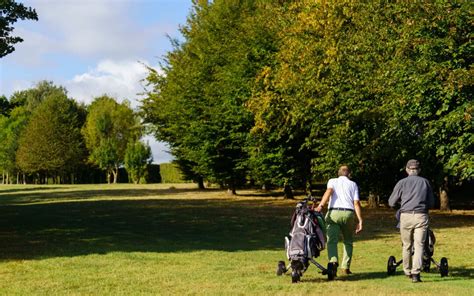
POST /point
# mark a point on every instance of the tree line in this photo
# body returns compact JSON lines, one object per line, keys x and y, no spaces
{"x":279,"y":93}
{"x":45,"y":135}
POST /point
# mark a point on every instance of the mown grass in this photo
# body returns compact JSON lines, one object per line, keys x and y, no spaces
{"x":153,"y":239}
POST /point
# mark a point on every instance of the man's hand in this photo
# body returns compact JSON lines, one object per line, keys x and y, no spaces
{"x":359,"y":227}
{"x":319,"y":208}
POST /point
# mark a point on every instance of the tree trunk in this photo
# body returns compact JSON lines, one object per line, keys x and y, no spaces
{"x":108,"y":176}
{"x":288,"y":191}
{"x":24,"y":179}
{"x":373,"y":201}
{"x":443,"y":196}
{"x":200,"y":181}
{"x":308,"y":189}
{"x":115,"y":172}
{"x":231,"y":190}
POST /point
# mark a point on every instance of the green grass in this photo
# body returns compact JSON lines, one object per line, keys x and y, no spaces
{"x":161,"y":240}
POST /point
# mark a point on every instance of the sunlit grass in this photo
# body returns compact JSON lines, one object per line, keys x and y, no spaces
{"x":153,"y":239}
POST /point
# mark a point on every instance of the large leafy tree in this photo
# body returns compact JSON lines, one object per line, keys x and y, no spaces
{"x":10,"y":130}
{"x":373,"y":83}
{"x":17,"y":112}
{"x":432,"y":89}
{"x":109,"y":127}
{"x":10,"y":13}
{"x":51,"y":142}
{"x":198,"y":102}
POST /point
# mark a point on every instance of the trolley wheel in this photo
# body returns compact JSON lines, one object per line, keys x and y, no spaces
{"x":443,"y":267}
{"x":331,"y":271}
{"x":426,"y":264}
{"x":281,"y":269}
{"x":295,"y":276}
{"x":391,"y":265}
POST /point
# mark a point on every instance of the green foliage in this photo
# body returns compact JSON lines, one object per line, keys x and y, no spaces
{"x":137,"y":158}
{"x":370,"y":84}
{"x":5,"y":106}
{"x":11,"y":12}
{"x":108,"y":129}
{"x":198,"y":102}
{"x":171,"y":173}
{"x":51,"y":141}
{"x":18,"y":111}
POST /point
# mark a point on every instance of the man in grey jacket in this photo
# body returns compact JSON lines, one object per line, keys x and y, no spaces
{"x":415,"y":196}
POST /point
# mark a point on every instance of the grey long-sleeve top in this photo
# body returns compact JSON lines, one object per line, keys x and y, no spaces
{"x":414,"y":193}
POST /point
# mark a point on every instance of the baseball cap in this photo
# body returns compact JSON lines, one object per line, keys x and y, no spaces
{"x":413,"y":164}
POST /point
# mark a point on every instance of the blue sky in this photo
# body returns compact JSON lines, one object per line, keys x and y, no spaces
{"x":94,"y":47}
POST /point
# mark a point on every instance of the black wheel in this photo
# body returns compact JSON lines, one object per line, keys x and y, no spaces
{"x":281,"y":269}
{"x":426,"y":264}
{"x":295,"y":276}
{"x":331,"y":271}
{"x":391,"y":265}
{"x":443,"y":267}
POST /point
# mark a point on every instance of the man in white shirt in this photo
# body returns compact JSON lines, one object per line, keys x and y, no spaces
{"x":343,"y":196}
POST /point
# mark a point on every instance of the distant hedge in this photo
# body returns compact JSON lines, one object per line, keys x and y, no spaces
{"x":170,"y":173}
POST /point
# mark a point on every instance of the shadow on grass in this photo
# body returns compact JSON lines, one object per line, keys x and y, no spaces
{"x":72,"y":228}
{"x":156,"y":225}
{"x":38,"y":194}
{"x":27,"y":189}
{"x":354,"y":277}
{"x":455,"y":274}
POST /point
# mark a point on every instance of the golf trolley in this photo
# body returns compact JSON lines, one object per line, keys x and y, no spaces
{"x":305,"y":242}
{"x":428,"y":251}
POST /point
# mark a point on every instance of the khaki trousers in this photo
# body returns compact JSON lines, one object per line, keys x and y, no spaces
{"x":413,"y":229}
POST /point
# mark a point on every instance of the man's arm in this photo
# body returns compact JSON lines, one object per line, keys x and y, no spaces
{"x":358,"y":212}
{"x":325,"y":199}
{"x":395,"y":196}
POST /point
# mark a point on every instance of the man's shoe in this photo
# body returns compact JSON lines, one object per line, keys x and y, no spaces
{"x":408,"y":276}
{"x":415,"y":278}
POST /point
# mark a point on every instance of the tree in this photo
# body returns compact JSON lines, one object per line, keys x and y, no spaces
{"x":108,"y":129}
{"x":10,"y":130}
{"x":372,"y":84}
{"x":11,"y":12}
{"x":432,"y":83}
{"x":197,"y":105}
{"x":51,"y":142}
{"x":137,"y":158}
{"x":17,"y":112}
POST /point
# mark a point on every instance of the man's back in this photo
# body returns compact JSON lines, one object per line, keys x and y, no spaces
{"x":345,"y":192}
{"x":415,"y":195}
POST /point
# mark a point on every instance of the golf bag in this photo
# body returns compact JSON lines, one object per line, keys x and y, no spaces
{"x":306,"y":238}
{"x":305,"y":241}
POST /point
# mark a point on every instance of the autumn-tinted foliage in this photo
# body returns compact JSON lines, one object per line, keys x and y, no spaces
{"x":370,"y":84}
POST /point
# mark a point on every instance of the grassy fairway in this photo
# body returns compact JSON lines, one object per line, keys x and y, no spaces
{"x":149,"y":239}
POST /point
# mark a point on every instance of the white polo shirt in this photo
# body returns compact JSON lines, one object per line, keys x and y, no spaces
{"x":345,"y":192}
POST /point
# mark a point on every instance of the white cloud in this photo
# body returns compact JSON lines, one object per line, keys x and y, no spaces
{"x":118,"y":79}
{"x":93,"y":27}
{"x":121,"y":80}
{"x":85,"y":29}
{"x":32,"y":50}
